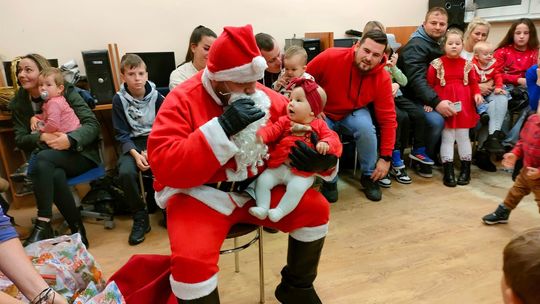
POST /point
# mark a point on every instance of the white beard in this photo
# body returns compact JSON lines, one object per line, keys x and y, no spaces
{"x":251,"y":152}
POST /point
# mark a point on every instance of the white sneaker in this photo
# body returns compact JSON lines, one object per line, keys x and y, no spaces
{"x":385,"y":182}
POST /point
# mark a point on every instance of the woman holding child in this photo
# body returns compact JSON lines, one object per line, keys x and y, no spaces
{"x":488,"y":74}
{"x":60,"y":155}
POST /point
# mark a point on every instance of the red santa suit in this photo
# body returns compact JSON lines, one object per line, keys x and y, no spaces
{"x":189,"y":152}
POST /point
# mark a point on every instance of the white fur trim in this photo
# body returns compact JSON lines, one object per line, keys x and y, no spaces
{"x":333,"y":175}
{"x":310,"y":234}
{"x":207,"y":84}
{"x":186,"y":291}
{"x":248,"y":72}
{"x":223,"y":148}
{"x":222,"y":202}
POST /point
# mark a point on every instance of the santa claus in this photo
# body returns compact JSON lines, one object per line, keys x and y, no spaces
{"x":203,"y":154}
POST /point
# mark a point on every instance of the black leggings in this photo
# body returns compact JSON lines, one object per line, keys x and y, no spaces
{"x":49,"y":174}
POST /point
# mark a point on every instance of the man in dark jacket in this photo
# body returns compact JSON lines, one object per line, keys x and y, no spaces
{"x":416,"y":55}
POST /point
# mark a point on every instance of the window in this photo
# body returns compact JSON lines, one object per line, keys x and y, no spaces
{"x":501,"y":10}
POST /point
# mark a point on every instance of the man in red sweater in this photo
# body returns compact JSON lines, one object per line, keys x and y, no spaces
{"x":353,"y":79}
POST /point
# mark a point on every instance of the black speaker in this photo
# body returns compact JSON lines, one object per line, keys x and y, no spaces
{"x":312,"y":47}
{"x":456,"y":11}
{"x":98,"y":72}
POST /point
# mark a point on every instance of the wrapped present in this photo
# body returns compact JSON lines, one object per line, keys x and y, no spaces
{"x":70,"y":269}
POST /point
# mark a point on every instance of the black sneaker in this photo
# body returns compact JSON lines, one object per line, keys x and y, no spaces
{"x":500,"y":216}
{"x":329,"y":191}
{"x":141,"y":226}
{"x":371,"y":188}
{"x":423,"y":170}
{"x":385,"y":182}
{"x":400,"y":174}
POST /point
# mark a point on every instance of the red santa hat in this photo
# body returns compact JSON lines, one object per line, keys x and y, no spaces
{"x":234,"y":56}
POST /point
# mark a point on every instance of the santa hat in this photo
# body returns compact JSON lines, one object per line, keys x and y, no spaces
{"x":310,"y":89}
{"x":234,"y":56}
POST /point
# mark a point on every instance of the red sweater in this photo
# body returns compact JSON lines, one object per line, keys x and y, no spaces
{"x":515,"y":63}
{"x":492,"y":71}
{"x":348,"y":89}
{"x":528,"y":145}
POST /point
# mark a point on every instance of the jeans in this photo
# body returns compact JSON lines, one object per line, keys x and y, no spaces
{"x":435,"y":125}
{"x":359,"y":125}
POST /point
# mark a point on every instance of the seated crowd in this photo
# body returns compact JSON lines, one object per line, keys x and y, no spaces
{"x":439,"y":88}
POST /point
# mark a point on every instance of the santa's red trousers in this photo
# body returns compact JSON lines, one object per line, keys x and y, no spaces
{"x":196,"y":232}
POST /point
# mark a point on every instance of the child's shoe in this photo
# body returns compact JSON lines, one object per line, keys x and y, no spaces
{"x":419,"y":154}
{"x":400,"y":174}
{"x":385,"y":182}
{"x":500,"y":216}
{"x":465,"y":173}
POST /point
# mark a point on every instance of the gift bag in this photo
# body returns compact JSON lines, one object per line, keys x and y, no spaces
{"x":66,"y":265}
{"x":91,"y":295}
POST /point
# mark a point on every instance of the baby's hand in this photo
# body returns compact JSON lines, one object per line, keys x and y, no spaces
{"x":322,"y":147}
{"x":281,"y":82}
{"x":34,"y":123}
{"x":428,"y":109}
{"x":395,"y":88}
{"x":533,"y":173}
{"x":509,"y":160}
{"x":499,"y":91}
{"x":478,"y":99}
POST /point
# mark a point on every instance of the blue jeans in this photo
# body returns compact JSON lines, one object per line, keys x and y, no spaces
{"x":359,"y":125}
{"x":435,"y":125}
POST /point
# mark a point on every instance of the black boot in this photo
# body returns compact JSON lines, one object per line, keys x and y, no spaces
{"x":212,"y":298}
{"x":465,"y":173}
{"x":298,"y":275}
{"x":483,"y":161}
{"x":79,"y":228}
{"x":163,"y":221}
{"x":42,"y":231}
{"x":493,"y":143}
{"x":141,"y":226}
{"x":449,"y":178}
{"x":330,"y":191}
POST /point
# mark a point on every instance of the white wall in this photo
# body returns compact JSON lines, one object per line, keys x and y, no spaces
{"x":63,"y":28}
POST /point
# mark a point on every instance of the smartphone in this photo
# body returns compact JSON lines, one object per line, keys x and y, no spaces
{"x":457,"y":106}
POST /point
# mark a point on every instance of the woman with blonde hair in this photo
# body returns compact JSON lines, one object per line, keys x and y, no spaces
{"x":477,"y":30}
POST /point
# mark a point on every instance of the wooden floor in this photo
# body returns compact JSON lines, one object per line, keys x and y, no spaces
{"x":423,"y":243}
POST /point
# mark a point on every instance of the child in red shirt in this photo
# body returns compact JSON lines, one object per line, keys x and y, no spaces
{"x":453,"y":79}
{"x":528,"y":180}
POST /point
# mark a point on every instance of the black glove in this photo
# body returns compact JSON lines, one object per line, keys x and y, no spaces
{"x":239,"y":115}
{"x":307,"y":159}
